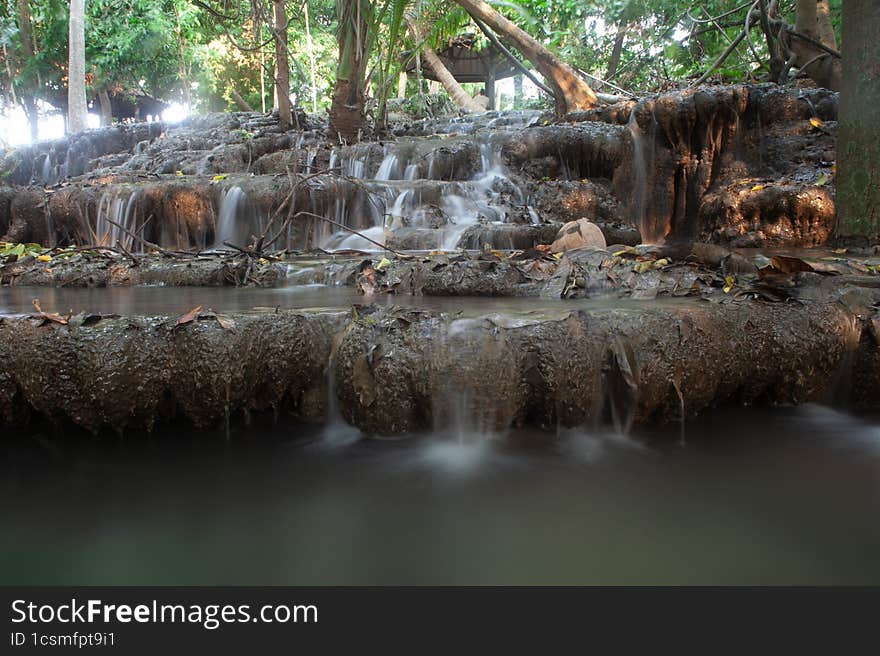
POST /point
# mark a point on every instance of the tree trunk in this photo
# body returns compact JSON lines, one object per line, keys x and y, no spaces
{"x":401,"y":85}
{"x":459,"y":96}
{"x":570,"y":91}
{"x":106,"y":108}
{"x":240,"y":102}
{"x":313,"y":91}
{"x":517,"y":91}
{"x":824,"y":25}
{"x":28,"y":99}
{"x":616,"y":51}
{"x":282,"y":67}
{"x":181,"y":65}
{"x":858,"y":149}
{"x":813,"y":20}
{"x":76,"y":70}
{"x":347,"y":106}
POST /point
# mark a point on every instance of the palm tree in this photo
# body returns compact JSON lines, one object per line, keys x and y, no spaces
{"x":76,"y":71}
{"x":347,"y":105}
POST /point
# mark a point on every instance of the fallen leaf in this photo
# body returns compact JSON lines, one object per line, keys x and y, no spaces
{"x":662,"y":262}
{"x":53,"y":317}
{"x":384,"y":262}
{"x":44,"y":258}
{"x":839,"y":251}
{"x":189,"y":316}
{"x":227,"y":323}
{"x":817,"y":123}
{"x":785,"y":264}
{"x":822,"y":180}
{"x":758,"y":187}
{"x":729,"y":282}
{"x":220,"y":176}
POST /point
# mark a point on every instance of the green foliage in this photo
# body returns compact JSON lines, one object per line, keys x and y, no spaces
{"x":174,"y":48}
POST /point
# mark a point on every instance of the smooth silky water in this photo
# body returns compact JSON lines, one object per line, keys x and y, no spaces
{"x":174,"y":301}
{"x":783,"y":496}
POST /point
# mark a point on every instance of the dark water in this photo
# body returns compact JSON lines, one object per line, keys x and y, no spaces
{"x":788,"y":496}
{"x":177,"y":300}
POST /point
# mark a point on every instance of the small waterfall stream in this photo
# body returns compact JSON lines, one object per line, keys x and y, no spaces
{"x":643,"y":167}
{"x":417,"y":185}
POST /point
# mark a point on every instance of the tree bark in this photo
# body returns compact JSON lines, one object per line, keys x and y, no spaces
{"x":240,"y":102}
{"x":282,"y":67}
{"x":76,"y":70}
{"x":825,"y":27}
{"x":28,"y":99}
{"x":825,"y":70}
{"x":616,"y":51}
{"x":858,"y":150}
{"x":347,"y":105}
{"x":181,"y":66}
{"x":569,"y":90}
{"x":313,"y":91}
{"x":459,"y":96}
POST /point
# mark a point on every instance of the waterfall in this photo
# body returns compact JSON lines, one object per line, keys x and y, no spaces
{"x":117,"y":219}
{"x":643,"y":163}
{"x":388,"y":168}
{"x":232,"y":218}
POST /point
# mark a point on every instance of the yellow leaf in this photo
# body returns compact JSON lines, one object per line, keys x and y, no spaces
{"x":839,"y":251}
{"x":221,"y":176}
{"x":44,"y":258}
{"x":383,"y":263}
{"x":729,"y":282}
{"x":178,"y":173}
{"x":558,"y":255}
{"x":662,"y":262}
{"x":641,"y":267}
{"x":263,"y":260}
{"x":757,"y":187}
{"x":822,"y":180}
{"x":817,"y":123}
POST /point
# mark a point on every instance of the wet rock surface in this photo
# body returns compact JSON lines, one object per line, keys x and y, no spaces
{"x":129,"y":372}
{"x":115,"y":268}
{"x":669,"y":188}
{"x":743,"y":166}
{"x":398,"y":370}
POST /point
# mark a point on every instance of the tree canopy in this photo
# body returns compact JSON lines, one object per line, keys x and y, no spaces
{"x":220,"y":54}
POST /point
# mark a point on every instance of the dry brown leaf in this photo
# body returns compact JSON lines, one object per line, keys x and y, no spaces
{"x":189,"y":316}
{"x":785,"y":264}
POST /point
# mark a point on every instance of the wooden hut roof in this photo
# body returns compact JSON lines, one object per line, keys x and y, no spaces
{"x":464,"y":62}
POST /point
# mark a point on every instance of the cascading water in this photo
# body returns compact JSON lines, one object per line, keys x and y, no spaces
{"x":235,"y":219}
{"x":117,"y":219}
{"x":652,"y":231}
{"x":417,"y":185}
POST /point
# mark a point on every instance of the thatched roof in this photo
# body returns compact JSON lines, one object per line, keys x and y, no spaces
{"x":464,"y":62}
